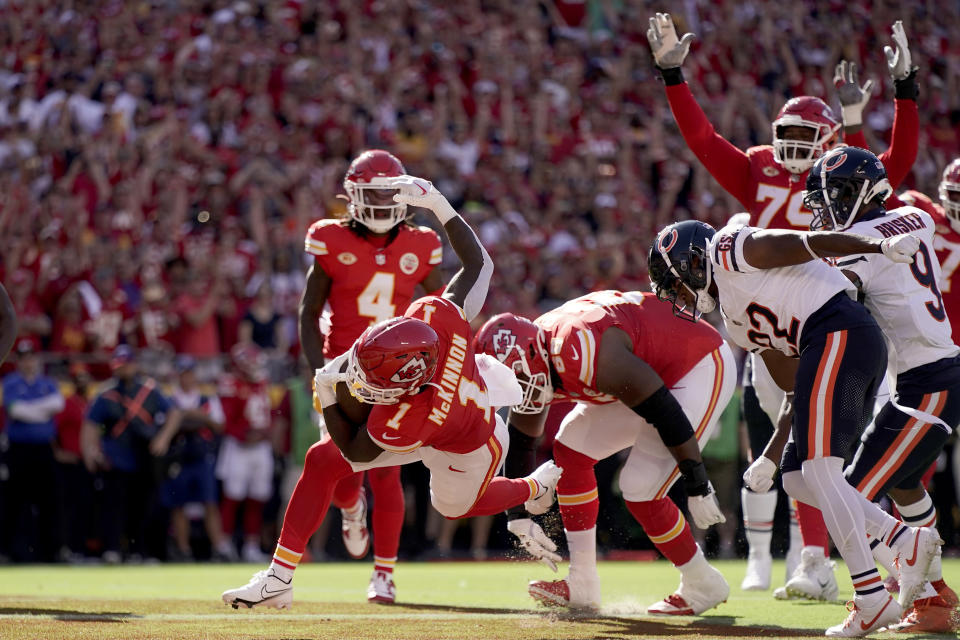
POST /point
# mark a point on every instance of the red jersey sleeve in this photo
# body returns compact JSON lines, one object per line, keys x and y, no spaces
{"x":904,"y":142}
{"x":398,"y":427}
{"x":318,"y":242}
{"x":727,"y":164}
{"x":433,"y":244}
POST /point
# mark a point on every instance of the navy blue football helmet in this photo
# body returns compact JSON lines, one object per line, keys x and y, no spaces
{"x":678,"y":258}
{"x":841,"y":184}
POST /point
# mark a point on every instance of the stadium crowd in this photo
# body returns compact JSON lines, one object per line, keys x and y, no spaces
{"x":161,"y":161}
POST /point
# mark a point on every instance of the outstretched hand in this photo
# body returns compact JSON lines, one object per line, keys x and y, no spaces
{"x":418,"y":192}
{"x":535,"y":542}
{"x":669,"y":51}
{"x":899,"y":61}
{"x":853,"y":96}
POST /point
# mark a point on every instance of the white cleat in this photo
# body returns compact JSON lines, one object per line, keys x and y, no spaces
{"x":265,"y":589}
{"x":356,"y":537}
{"x":813,"y":579}
{"x":546,"y":476}
{"x":913,"y":562}
{"x":569,"y":593}
{"x":695,"y":597}
{"x":780,"y":593}
{"x":759,"y":566}
{"x":864,"y":620}
{"x":381,"y":589}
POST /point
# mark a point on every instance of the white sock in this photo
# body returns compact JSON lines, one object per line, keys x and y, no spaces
{"x":758,"y":510}
{"x":816,"y":550}
{"x":884,"y":556}
{"x":282,"y":572}
{"x":353,"y":512}
{"x":583,"y":553}
{"x":695,"y":565}
{"x":796,"y":540}
{"x":921,"y":513}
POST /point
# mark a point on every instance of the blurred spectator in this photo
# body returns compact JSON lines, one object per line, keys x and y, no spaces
{"x":198,"y":333}
{"x":261,"y":325}
{"x":31,"y":400}
{"x":190,"y":461}
{"x":245,"y":464}
{"x":118,"y":440}
{"x":74,"y":485}
{"x":34,"y":324}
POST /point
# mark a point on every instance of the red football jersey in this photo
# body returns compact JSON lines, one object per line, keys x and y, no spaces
{"x":670,"y":345}
{"x":246,"y":406}
{"x":946,"y":244}
{"x":452,"y":414}
{"x":370,"y":281}
{"x":768,"y":192}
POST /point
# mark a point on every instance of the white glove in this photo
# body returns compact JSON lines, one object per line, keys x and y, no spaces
{"x":535,"y":542}
{"x":901,"y":248}
{"x":418,"y":192}
{"x":899,"y":62}
{"x":853,"y":97}
{"x":705,"y":510}
{"x":668,"y":51}
{"x":326,"y":378}
{"x":759,"y":476}
{"x":739,"y":219}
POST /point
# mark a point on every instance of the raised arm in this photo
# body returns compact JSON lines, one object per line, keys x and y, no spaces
{"x":728,"y":165}
{"x":468,"y":287}
{"x":898,"y":159}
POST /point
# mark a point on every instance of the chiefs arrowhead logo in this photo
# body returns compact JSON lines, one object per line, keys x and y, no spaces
{"x":412,"y":370}
{"x":503,"y":343}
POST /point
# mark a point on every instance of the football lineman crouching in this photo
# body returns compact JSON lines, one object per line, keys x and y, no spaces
{"x":644,"y":381}
{"x":826,"y":351}
{"x":411,"y":390}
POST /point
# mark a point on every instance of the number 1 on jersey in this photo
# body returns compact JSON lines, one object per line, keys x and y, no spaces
{"x":376,"y":299}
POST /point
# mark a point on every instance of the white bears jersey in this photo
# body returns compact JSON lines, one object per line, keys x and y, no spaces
{"x":905,"y":299}
{"x":768,"y":308}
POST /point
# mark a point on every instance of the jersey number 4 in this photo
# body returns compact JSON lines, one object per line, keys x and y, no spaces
{"x":376,"y":299}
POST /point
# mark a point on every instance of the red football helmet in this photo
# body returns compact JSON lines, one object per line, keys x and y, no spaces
{"x":250,"y":361}
{"x":950,"y":190}
{"x":518,"y":343}
{"x":798,"y":155}
{"x":391,"y":359}
{"x":368,"y":186}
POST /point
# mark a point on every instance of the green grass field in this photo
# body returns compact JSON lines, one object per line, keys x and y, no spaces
{"x":478,"y":601}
